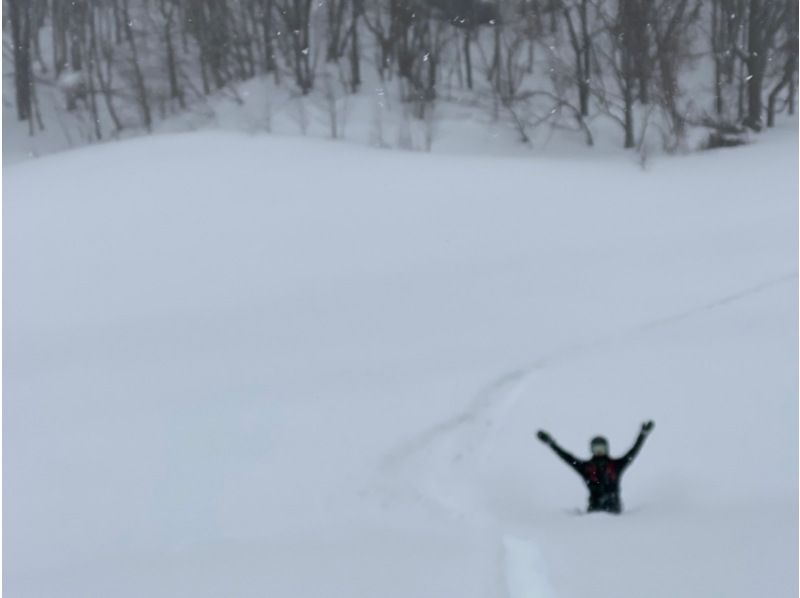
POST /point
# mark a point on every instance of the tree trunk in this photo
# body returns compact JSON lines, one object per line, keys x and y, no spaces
{"x":269,"y":46}
{"x":355,"y":48}
{"x":629,"y":137}
{"x":580,"y":49}
{"x":719,"y":105}
{"x":468,"y":55}
{"x":755,"y":83}
{"x":788,"y":75}
{"x":20,"y":20}
{"x":175,"y":91}
{"x":764,"y":20}
{"x":141,"y":89}
{"x":584,"y":89}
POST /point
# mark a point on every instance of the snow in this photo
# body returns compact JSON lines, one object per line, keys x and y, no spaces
{"x":248,"y":366}
{"x":460,"y":123}
{"x":525,"y":571}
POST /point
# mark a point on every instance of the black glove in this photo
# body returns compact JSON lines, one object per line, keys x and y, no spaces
{"x":544,"y":437}
{"x":648,"y":426}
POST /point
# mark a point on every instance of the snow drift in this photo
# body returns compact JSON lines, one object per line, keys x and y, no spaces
{"x":269,"y":367}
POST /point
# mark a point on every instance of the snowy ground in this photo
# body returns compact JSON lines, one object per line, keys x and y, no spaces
{"x":258,"y":366}
{"x":461,"y":124}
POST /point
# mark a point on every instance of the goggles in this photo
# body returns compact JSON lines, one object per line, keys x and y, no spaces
{"x":599,"y":449}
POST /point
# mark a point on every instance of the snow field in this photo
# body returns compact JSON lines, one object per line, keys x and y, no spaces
{"x":258,"y":366}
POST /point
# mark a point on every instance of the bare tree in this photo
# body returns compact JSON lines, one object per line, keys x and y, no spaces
{"x":787,"y":80}
{"x":726,"y":25}
{"x":377,"y":15}
{"x":620,"y":58}
{"x":559,"y":63}
{"x":764,"y":19}
{"x":355,"y":47}
{"x":671,"y":24}
{"x":138,"y":77}
{"x":576,"y":17}
{"x":208,"y":21}
{"x":19,"y":16}
{"x":296,"y":15}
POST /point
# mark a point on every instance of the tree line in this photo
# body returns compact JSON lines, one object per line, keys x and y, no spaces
{"x":728,"y":64}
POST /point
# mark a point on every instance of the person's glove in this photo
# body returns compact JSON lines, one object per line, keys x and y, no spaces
{"x":648,"y":426}
{"x":544,"y":437}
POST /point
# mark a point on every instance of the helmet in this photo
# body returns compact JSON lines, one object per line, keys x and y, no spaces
{"x":599,"y":446}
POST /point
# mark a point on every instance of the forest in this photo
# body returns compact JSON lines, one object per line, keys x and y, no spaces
{"x":728,"y":66}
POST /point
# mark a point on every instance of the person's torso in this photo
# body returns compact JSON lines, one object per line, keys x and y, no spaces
{"x":601,"y":475}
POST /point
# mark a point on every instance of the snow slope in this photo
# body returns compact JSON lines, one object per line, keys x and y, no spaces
{"x":247,"y":366}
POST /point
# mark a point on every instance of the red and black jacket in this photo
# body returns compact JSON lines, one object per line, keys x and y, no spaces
{"x":602,"y":475}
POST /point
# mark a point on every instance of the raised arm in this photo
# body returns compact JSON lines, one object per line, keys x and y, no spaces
{"x":628,"y":457}
{"x":569,"y":459}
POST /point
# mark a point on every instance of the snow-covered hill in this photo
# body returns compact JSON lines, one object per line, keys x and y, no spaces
{"x":243,"y":366}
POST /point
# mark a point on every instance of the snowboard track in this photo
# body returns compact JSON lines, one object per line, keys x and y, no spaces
{"x":522,"y":566}
{"x":492,"y":404}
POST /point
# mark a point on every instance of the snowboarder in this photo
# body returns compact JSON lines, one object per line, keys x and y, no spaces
{"x":601,"y":473}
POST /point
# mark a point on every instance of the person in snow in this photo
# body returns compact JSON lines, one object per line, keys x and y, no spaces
{"x":601,"y":473}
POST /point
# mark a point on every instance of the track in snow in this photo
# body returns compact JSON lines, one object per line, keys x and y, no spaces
{"x":429,"y":467}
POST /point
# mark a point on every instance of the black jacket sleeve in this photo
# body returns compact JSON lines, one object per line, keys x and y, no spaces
{"x":569,"y":459}
{"x":628,"y":457}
